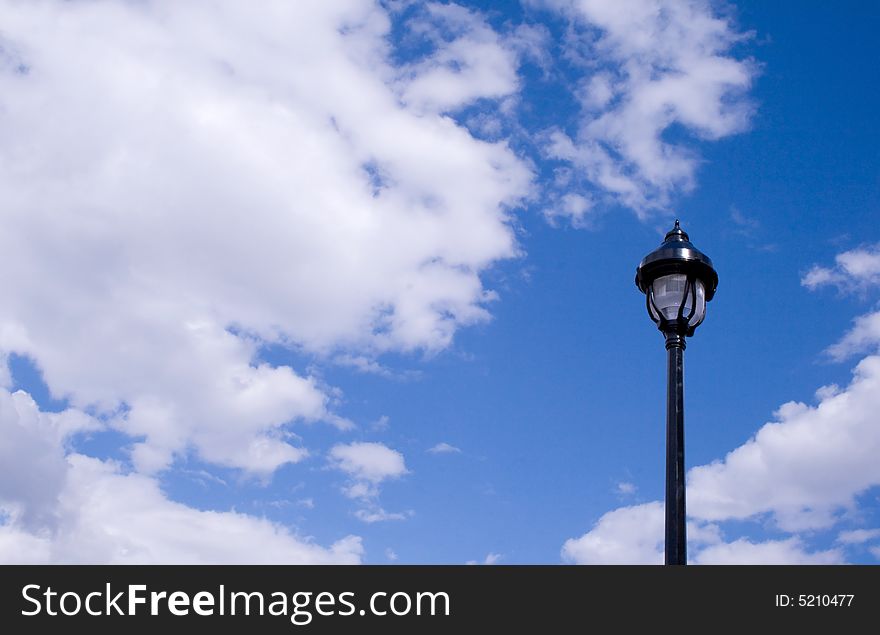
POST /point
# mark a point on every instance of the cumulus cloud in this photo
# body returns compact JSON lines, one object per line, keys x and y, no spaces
{"x":858,"y":536}
{"x":651,"y":65}
{"x":803,"y":470}
{"x":854,"y":270}
{"x":183,"y":183}
{"x":369,"y":462}
{"x":368,"y":465}
{"x":115,"y":518}
{"x":862,"y":337}
{"x":577,"y":209}
{"x":629,"y":535}
{"x":69,"y":508}
{"x":634,"y":535}
{"x":186,"y":183}
{"x":788,"y":551}
{"x":33,"y":468}
{"x":470,"y":61}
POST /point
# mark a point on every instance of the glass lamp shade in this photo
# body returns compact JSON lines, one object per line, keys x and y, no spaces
{"x":673,"y":295}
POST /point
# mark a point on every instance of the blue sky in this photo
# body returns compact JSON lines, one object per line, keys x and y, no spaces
{"x":353,"y":281}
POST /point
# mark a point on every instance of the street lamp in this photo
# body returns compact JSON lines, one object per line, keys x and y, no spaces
{"x":677,"y":280}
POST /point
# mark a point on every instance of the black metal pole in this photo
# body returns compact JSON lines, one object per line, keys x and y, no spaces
{"x":676,"y":528}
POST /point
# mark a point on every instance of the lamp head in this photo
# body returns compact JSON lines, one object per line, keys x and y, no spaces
{"x":677,"y":280}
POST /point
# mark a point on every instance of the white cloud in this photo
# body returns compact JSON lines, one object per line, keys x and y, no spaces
{"x":116,"y":518}
{"x":490,"y":559}
{"x":655,"y":65}
{"x":576,"y":208}
{"x":183,"y":182}
{"x":634,"y":535}
{"x":788,"y":551}
{"x":629,"y":535}
{"x":368,"y":465}
{"x":854,"y":270}
{"x":33,"y":468}
{"x":470,"y":60}
{"x":21,"y":547}
{"x":371,"y":462}
{"x":444,"y":448}
{"x":390,"y":554}
{"x":858,"y":536}
{"x":75,"y":509}
{"x":862,"y":337}
{"x":862,"y":264}
{"x":875,"y":551}
{"x":803,"y":468}
{"x":804,"y":471}
{"x":820,"y":276}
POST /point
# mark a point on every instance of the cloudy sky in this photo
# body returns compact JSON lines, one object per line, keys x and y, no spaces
{"x":352,"y":281}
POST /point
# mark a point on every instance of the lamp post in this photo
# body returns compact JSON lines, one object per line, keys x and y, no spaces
{"x":677,"y":280}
